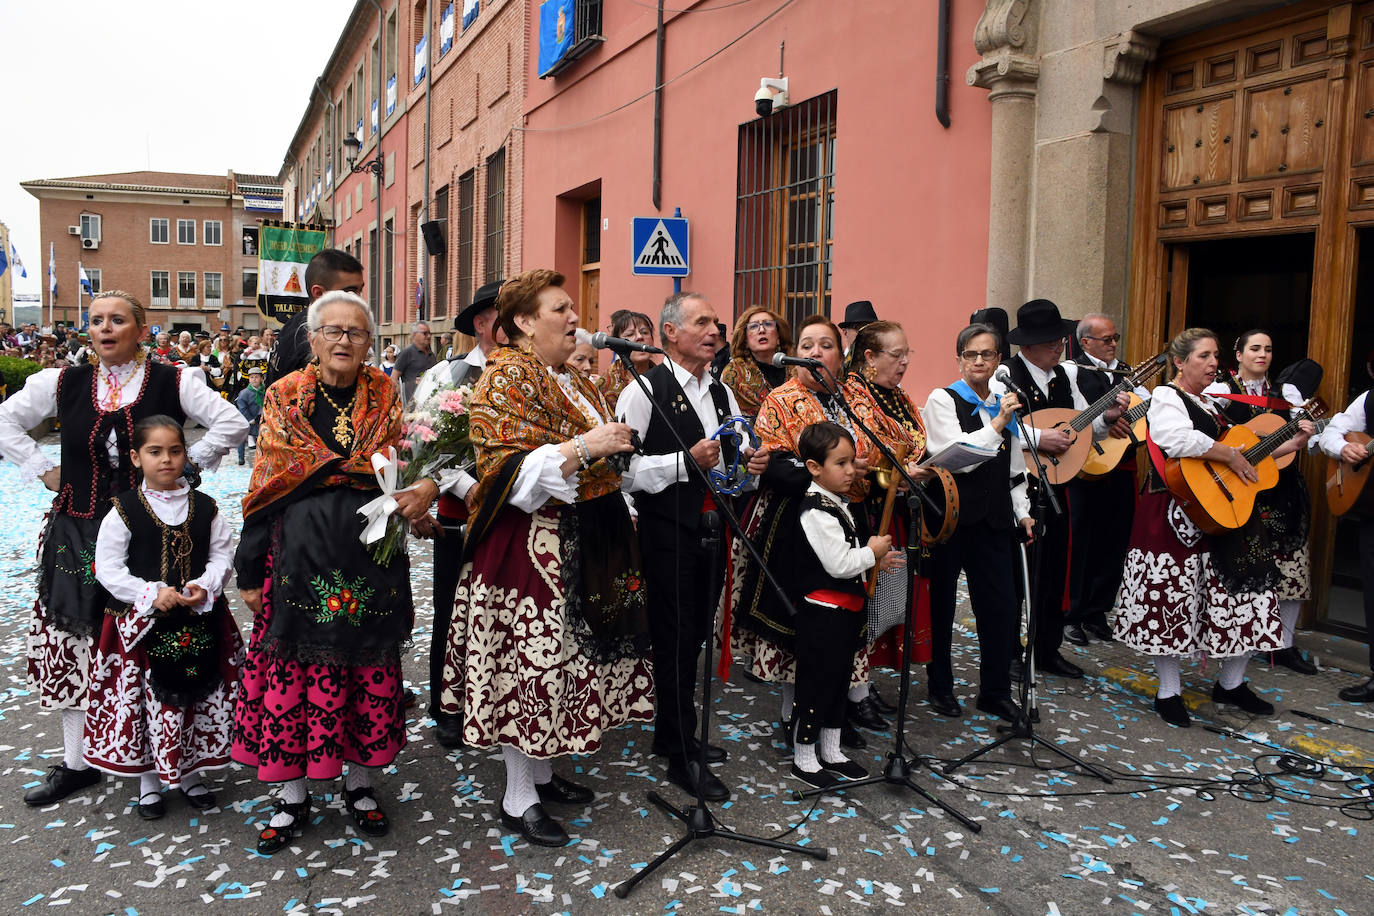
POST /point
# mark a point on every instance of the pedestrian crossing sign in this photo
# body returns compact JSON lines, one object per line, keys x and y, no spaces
{"x":660,"y":247}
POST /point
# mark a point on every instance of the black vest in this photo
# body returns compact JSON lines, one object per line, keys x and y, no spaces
{"x":1061,"y":393}
{"x":680,"y":503}
{"x":1202,"y":421}
{"x":147,"y":533}
{"x":1093,"y":383}
{"x":807,"y":571}
{"x":984,"y":491}
{"x":88,"y":481}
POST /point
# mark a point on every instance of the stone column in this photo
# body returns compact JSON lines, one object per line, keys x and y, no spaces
{"x":1010,"y":71}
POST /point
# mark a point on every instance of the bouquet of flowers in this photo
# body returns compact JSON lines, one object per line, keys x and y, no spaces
{"x":434,"y":439}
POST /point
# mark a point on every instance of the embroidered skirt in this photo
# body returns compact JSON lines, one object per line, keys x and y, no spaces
{"x":516,"y":668}
{"x":1171,"y":600}
{"x":295,"y":719}
{"x":130,"y":730}
{"x":59,"y":640}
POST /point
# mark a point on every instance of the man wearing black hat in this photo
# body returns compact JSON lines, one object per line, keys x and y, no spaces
{"x":1046,"y":382}
{"x":856,"y":315}
{"x":477,"y":320}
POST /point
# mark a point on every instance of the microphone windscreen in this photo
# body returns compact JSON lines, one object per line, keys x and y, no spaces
{"x":599,"y":340}
{"x":778,"y":358}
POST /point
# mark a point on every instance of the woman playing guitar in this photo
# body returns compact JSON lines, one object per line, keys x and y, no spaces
{"x":1283,"y":510}
{"x":1184,"y":592}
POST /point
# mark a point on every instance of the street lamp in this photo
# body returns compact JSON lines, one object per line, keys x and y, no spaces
{"x":375,"y":165}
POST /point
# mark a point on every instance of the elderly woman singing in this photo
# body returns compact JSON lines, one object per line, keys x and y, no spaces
{"x":546,"y":649}
{"x":322,"y":686}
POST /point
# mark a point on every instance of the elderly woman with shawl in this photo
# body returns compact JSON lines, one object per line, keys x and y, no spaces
{"x":321,"y":685}
{"x":546,"y":652}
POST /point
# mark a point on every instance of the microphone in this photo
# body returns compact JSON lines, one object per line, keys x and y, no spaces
{"x":1003,"y":375}
{"x":603,"y":341}
{"x":782,"y":359}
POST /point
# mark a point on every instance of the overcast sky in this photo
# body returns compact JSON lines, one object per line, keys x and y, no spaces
{"x":94,"y":87}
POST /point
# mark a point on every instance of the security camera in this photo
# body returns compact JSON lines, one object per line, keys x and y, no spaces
{"x":771,"y":97}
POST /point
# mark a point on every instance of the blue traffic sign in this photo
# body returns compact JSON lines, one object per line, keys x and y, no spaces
{"x":660,"y":247}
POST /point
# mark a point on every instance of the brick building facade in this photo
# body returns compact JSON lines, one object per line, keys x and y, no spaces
{"x":454,"y":157}
{"x":175,"y":240}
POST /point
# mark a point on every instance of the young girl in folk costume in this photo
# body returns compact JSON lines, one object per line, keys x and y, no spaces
{"x":833,"y":555}
{"x":165,"y":673}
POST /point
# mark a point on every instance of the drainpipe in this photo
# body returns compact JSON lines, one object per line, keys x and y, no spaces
{"x":942,"y":65}
{"x":658,"y":111}
{"x":422,"y":312}
{"x":381,"y":132}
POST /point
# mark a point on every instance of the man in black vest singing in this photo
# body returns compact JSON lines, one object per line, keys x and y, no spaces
{"x":683,"y":577}
{"x":1101,"y":508}
{"x":1046,"y":382}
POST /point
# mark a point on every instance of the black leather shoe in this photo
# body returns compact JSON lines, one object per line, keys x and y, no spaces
{"x":845,"y":769}
{"x":945,"y":704}
{"x":275,"y":839}
{"x":536,"y":826}
{"x":1074,"y":633}
{"x":1001,"y":707}
{"x":1172,"y":710}
{"x":1243,"y":697}
{"x":1360,"y":693}
{"x":714,"y":753}
{"x":1018,"y":669}
{"x":563,"y":792}
{"x":201,"y":801}
{"x":1293,"y":660}
{"x":154,"y":808}
{"x":821,"y":779}
{"x":850,"y":738}
{"x":686,"y":775}
{"x":60,"y":782}
{"x":1058,"y":664}
{"x":864,"y":714}
{"x":882,"y":705}
{"x":409,"y":697}
{"x":372,"y":822}
{"x":448,"y":731}
{"x":1099,"y":631}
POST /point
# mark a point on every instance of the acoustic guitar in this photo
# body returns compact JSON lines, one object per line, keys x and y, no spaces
{"x":1346,"y":493}
{"x":1214,"y":496}
{"x":1266,"y":423}
{"x":1106,"y":454}
{"x":1063,"y":467}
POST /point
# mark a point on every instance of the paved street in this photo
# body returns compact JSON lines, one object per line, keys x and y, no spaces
{"x":1186,"y":828}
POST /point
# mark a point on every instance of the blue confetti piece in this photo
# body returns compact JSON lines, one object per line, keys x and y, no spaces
{"x":289,"y":904}
{"x":58,"y":863}
{"x":599,"y":891}
{"x":506,"y":842}
{"x":34,"y":899}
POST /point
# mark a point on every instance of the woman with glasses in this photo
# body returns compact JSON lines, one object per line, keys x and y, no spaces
{"x":992,"y":505}
{"x":750,"y":374}
{"x":879,"y":358}
{"x":757,"y":622}
{"x":321,"y":686}
{"x":635,"y":326}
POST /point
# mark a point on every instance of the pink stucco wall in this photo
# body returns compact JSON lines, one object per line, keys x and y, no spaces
{"x":911,"y":198}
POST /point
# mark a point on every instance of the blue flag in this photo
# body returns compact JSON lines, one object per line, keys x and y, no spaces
{"x":555,"y":32}
{"x":85,"y":281}
{"x":52,"y":274}
{"x":18,"y":264}
{"x":4,"y":264}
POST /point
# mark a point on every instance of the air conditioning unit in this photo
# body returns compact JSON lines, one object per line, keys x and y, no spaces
{"x":90,"y":244}
{"x":73,"y":230}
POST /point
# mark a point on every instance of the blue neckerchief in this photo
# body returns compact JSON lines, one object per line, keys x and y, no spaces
{"x":962,"y":389}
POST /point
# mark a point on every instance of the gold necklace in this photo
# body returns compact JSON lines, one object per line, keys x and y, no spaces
{"x":343,"y":424}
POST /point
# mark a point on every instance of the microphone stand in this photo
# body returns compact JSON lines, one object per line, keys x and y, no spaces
{"x":1024,"y":727}
{"x":897,"y":769}
{"x":698,"y":821}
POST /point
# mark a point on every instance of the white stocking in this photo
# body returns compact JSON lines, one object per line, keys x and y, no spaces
{"x":520,"y":790}
{"x":360,"y":777}
{"x":858,"y":693}
{"x":1170,"y":683}
{"x":804,"y":756}
{"x":543,"y":772}
{"x":149,"y":785}
{"x":1288,"y":614}
{"x":1232,"y":673}
{"x":73,"y":731}
{"x":292,"y":793}
{"x":193,"y":784}
{"x":830,"y":746}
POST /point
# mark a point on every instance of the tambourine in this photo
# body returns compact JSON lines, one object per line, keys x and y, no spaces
{"x":734,"y":478}
{"x":947,"y":495}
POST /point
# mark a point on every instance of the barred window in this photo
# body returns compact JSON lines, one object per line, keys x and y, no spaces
{"x":496,"y":216}
{"x":466,"y":247}
{"x":785,"y":205}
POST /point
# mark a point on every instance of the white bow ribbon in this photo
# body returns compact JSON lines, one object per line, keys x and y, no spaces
{"x":378,"y":511}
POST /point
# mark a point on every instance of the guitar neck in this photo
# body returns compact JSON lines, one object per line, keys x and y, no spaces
{"x":1097,"y":408}
{"x":1138,"y":412}
{"x":1266,"y":446}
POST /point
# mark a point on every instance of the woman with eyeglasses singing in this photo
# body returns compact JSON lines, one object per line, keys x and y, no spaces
{"x":321,"y":686}
{"x":992,"y":504}
{"x":750,"y":374}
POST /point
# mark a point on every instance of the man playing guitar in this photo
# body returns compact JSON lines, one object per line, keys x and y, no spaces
{"x":1355,"y":419}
